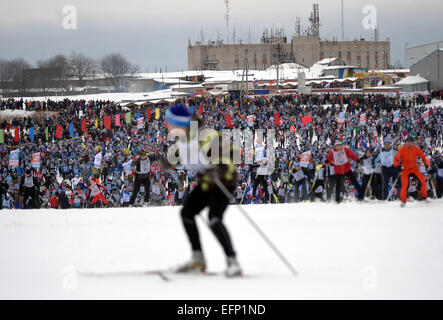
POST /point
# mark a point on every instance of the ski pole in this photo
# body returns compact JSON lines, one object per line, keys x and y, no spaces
{"x":243,"y":196}
{"x":256,"y":227}
{"x":433,"y":188}
{"x":369,"y":184}
{"x":392,"y":189}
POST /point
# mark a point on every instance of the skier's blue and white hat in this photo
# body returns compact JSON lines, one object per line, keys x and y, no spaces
{"x":178,"y":116}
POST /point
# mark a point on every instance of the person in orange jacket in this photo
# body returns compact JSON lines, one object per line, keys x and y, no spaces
{"x":407,"y":158}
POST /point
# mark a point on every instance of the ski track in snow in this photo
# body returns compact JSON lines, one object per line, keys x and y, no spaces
{"x":359,"y":251}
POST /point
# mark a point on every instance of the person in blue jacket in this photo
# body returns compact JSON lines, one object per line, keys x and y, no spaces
{"x":388,"y":170}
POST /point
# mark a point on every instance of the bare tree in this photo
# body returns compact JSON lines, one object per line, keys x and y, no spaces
{"x":397,"y":65}
{"x":134,"y":69}
{"x":115,"y":67}
{"x":5,"y":76}
{"x":11,"y":77}
{"x":61,"y":62}
{"x":81,"y":65}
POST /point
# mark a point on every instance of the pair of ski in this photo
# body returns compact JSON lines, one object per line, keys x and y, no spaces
{"x":165,"y":275}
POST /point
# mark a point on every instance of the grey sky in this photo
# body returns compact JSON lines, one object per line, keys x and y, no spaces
{"x":155,"y":33}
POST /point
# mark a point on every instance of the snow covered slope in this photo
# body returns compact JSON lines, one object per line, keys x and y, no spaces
{"x":346,"y":251}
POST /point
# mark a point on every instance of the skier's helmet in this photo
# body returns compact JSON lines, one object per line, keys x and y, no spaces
{"x":178,"y":116}
{"x":338,"y":143}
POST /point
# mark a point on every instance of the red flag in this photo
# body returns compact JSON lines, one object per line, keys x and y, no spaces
{"x":58,"y":132}
{"x":200,"y":109}
{"x":17,"y":135}
{"x":84,"y":125}
{"x":107,"y":122}
{"x":228,"y":120}
{"x":277,"y":119}
{"x":306,"y":119}
{"x":292,"y":128}
{"x":148,"y":115}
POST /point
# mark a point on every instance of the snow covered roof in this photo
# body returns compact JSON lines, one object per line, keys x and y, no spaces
{"x":186,"y":86}
{"x":172,"y":81}
{"x":410,"y":80}
{"x":326,"y":61}
{"x":286,"y":66}
{"x":391,"y":71}
{"x":339,"y":67}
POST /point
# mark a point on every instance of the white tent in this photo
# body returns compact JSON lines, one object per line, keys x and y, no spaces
{"x":413,"y":84}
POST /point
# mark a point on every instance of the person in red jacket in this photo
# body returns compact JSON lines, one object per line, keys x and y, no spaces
{"x":407,"y":158}
{"x":95,"y":192}
{"x":340,"y":156}
{"x":54,"y":201}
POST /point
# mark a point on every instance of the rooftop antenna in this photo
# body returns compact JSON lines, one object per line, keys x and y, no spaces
{"x":376,"y":32}
{"x":249,"y":35}
{"x":298,"y":26}
{"x":227,"y":20}
{"x":202,"y":36}
{"x":233,"y":38}
{"x":315,"y":20}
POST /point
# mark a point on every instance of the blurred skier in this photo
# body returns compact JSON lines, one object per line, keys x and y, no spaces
{"x":206,"y":193}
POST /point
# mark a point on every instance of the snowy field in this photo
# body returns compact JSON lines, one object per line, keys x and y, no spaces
{"x":362,"y":251}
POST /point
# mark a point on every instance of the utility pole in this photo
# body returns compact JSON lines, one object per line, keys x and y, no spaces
{"x":278,"y":65}
{"x":342,"y":23}
{"x":406,"y":54}
{"x":241,"y":86}
{"x":438,"y":67}
{"x":247,"y":67}
{"x":243,"y":76}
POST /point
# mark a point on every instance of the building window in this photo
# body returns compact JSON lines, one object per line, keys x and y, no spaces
{"x":339,"y":54}
{"x":322,"y":55}
{"x":349,"y":56}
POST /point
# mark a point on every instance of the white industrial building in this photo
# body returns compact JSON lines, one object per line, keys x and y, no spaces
{"x":416,"y":53}
{"x":431,"y":68}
